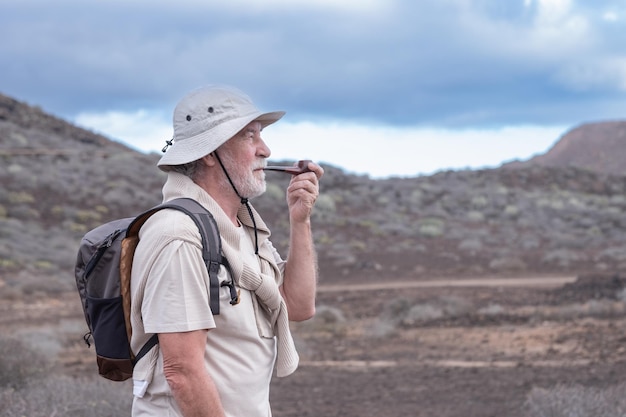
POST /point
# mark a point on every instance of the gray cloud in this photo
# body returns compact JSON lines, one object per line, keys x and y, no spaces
{"x":432,"y":62}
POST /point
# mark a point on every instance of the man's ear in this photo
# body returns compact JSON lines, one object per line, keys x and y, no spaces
{"x":209,"y":160}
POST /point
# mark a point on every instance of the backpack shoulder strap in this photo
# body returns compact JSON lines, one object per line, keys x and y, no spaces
{"x":211,"y":243}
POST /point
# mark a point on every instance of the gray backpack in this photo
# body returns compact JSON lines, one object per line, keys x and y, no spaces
{"x":102,"y":273}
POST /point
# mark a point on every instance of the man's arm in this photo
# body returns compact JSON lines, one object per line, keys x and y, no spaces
{"x":185,"y":371}
{"x":300,"y":281}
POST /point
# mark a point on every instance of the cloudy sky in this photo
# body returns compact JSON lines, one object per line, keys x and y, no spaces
{"x":382,"y":87}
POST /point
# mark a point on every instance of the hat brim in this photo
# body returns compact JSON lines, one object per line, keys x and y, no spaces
{"x":195,"y":147}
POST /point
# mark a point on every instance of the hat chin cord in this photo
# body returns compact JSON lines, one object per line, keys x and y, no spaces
{"x":244,"y":200}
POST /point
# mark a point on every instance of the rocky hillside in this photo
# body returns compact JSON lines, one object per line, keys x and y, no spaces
{"x":599,"y":147}
{"x":58,"y":181}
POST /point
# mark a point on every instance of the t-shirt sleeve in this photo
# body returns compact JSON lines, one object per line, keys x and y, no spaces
{"x":176,"y":297}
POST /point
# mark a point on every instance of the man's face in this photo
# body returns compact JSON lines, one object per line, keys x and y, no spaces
{"x":244,"y":156}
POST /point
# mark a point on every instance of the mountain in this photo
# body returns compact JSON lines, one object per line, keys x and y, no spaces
{"x":599,"y":147}
{"x":59,"y":180}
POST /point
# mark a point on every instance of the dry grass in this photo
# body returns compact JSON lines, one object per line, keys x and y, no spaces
{"x":31,"y":386}
{"x":577,"y":401}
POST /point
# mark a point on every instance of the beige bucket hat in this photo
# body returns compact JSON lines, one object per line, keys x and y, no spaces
{"x":206,"y":118}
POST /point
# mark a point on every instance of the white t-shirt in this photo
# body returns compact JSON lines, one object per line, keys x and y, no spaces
{"x":176,"y":299}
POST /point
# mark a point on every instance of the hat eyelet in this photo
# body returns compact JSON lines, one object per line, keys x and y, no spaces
{"x":188,"y":118}
{"x":210,"y":109}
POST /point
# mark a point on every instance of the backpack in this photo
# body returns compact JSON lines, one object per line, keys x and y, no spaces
{"x":102,"y":273}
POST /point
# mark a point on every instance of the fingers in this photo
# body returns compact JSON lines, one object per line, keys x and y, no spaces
{"x":307,"y":182}
{"x":315,"y":168}
{"x":303,"y":191}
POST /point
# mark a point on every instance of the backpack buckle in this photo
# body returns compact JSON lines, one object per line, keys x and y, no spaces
{"x":234,"y":292}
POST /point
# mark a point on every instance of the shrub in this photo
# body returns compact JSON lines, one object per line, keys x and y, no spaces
{"x":401,"y":312}
{"x":443,"y":307}
{"x":28,"y":387}
{"x":84,"y":216}
{"x":396,"y":310}
{"x":475,"y":216}
{"x":576,"y":400}
{"x":507,"y":263}
{"x":561,"y":257}
{"x":274,"y":193}
{"x":617,"y":253}
{"x":422,"y":313}
{"x":327,"y":319}
{"x":325,"y":203}
{"x":470,"y":245}
{"x":431,"y":227}
{"x":511,"y":211}
{"x":67,"y":397}
{"x":21,"y":197}
{"x":492,"y":310}
{"x":18,"y":364}
{"x":479,"y":201}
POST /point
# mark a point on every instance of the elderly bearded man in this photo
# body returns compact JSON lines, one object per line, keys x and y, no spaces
{"x":206,"y":365}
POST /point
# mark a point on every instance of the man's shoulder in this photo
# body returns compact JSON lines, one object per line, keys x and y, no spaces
{"x":170,"y":224}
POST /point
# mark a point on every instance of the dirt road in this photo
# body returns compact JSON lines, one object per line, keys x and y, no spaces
{"x":543,"y":282}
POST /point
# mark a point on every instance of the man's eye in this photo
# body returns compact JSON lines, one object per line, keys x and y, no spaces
{"x":250,"y":134}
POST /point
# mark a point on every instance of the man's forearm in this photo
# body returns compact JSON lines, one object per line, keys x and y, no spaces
{"x":185,"y":372}
{"x":300,"y":281}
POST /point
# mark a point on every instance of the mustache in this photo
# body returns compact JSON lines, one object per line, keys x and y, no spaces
{"x":260,"y":165}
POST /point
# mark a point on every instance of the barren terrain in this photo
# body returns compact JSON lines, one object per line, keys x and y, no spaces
{"x":507,"y":280}
{"x":451,"y":347}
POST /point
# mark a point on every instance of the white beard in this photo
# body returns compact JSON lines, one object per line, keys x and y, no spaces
{"x":249,"y":183}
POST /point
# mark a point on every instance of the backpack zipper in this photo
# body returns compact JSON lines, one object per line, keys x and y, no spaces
{"x":100,"y":251}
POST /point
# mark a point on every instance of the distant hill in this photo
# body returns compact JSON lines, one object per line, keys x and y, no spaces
{"x":599,"y":147}
{"x":59,"y":180}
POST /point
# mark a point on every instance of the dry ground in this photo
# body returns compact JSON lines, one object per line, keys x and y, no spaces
{"x":366,"y":356}
{"x":482,"y":362}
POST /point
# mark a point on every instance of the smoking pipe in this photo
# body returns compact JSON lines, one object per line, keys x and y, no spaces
{"x":303,"y":166}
